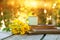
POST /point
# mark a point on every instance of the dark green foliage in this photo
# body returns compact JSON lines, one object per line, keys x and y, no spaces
{"x":41,"y":16}
{"x":58,"y":24}
{"x":59,"y":11}
{"x":6,"y":29}
{"x":7,"y":14}
{"x":0,"y":21}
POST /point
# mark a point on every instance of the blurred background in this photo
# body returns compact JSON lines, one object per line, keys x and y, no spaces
{"x":47,"y":11}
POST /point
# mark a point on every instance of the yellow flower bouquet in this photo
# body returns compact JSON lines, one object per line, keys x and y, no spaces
{"x":18,"y":27}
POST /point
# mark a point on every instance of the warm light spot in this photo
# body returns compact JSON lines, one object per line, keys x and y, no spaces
{"x":45,"y":4}
{"x":45,"y":11}
{"x":49,"y":18}
{"x":54,"y":5}
{"x":2,"y":13}
{"x":3,"y":25}
{"x":11,"y":3}
{"x":30,"y":4}
{"x":33,"y":4}
{"x":18,"y":13}
{"x":22,"y":16}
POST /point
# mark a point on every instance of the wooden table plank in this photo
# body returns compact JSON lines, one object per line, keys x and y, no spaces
{"x":52,"y":37}
{"x":4,"y":34}
{"x":25,"y":37}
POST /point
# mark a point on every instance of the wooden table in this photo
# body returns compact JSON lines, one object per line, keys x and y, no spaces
{"x":44,"y":32}
{"x":24,"y":37}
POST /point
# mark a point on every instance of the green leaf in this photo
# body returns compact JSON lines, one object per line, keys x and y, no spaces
{"x":6,"y":29}
{"x":58,"y":25}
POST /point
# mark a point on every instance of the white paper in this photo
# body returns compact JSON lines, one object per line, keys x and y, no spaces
{"x":33,"y":20}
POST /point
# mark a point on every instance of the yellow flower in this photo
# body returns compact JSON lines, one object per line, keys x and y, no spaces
{"x":14,"y":31}
{"x":22,"y":32}
{"x":19,"y":27}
